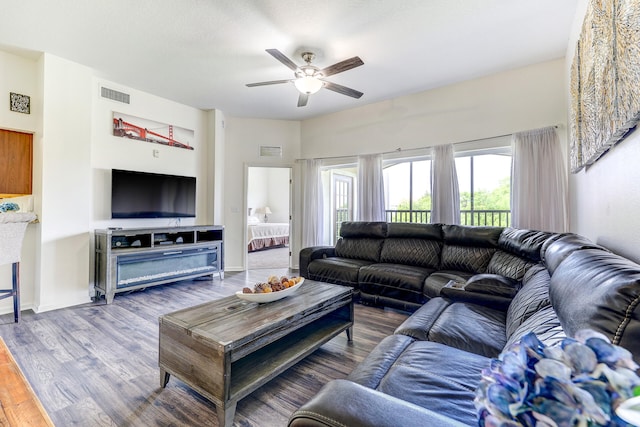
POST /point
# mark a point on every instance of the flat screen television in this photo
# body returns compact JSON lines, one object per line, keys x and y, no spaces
{"x":152,"y":195}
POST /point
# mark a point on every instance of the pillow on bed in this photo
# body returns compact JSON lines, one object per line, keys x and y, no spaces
{"x":252,"y":220}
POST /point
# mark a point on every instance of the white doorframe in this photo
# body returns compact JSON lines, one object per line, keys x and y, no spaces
{"x":246,"y":207}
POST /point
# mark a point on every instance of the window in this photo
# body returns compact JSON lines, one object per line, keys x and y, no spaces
{"x":339,"y":186}
{"x":408,"y":190}
{"x":484,"y":181}
{"x":343,"y":201}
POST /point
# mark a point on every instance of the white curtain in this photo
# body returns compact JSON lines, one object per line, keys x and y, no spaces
{"x":370,"y":188}
{"x":312,"y":206}
{"x":445,"y":194}
{"x":539,"y":181}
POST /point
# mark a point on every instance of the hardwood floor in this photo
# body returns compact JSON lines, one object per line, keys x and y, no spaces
{"x":97,"y":364}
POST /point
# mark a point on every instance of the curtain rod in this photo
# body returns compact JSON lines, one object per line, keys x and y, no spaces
{"x":401,"y":150}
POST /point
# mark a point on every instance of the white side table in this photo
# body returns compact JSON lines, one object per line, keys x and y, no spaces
{"x":12,"y":228}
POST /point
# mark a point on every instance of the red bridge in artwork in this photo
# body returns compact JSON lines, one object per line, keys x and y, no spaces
{"x":129,"y":130}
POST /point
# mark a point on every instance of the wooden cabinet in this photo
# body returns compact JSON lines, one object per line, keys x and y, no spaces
{"x":138,"y":258}
{"x":16,"y":163}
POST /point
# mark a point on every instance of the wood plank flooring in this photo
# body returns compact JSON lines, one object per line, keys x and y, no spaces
{"x":97,"y":364}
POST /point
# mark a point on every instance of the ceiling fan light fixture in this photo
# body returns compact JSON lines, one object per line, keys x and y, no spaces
{"x":308,"y":84}
{"x":309,"y":79}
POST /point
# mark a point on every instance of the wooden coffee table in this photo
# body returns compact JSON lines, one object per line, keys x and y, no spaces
{"x":225,"y":349}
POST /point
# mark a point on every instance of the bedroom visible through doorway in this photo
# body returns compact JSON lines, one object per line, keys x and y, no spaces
{"x":268,"y":217}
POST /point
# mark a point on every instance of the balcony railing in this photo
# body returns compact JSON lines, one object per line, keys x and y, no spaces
{"x":493,"y":217}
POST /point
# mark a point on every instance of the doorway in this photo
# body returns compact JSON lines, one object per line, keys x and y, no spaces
{"x":268,"y":217}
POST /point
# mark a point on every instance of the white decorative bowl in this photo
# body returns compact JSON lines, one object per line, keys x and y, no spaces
{"x":629,"y":410}
{"x":271,"y":296}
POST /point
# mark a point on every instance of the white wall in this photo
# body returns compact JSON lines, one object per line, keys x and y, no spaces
{"x":19,"y":74}
{"x":257,"y":189}
{"x":62,"y":157}
{"x":267,"y":186}
{"x":74,"y":150}
{"x":243,"y":138}
{"x":517,"y":100}
{"x":216,"y":121}
{"x":110,"y":152}
{"x":278,"y":179}
{"x":605,"y":198}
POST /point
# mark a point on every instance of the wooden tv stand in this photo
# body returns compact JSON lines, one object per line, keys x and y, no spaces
{"x":134,"y":258}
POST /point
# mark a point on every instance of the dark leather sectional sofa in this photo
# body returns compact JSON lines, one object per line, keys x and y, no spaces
{"x":474,"y":291}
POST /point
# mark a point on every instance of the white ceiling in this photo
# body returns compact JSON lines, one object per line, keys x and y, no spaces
{"x":202,"y":52}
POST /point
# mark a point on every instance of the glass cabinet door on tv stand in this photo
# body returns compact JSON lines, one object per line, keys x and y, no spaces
{"x":128,"y":259}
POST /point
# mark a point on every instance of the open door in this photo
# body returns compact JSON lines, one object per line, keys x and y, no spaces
{"x":268,"y":217}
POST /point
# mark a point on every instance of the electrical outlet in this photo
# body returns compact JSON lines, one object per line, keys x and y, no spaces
{"x":156,"y":153}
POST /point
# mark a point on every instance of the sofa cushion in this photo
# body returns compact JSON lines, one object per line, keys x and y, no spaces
{"x":409,"y":230}
{"x":468,"y":248}
{"x":311,"y":253}
{"x":544,"y":323}
{"x":509,"y":265}
{"x":419,"y":323}
{"x":464,"y":235}
{"x":555,"y":251}
{"x":363,"y":229}
{"x":523,"y":243}
{"x":341,"y":271}
{"x":599,"y":290}
{"x":342,"y":403}
{"x":410,"y":251}
{"x":431,"y":375}
{"x":482,"y":331}
{"x":372,"y":370}
{"x":403,"y":282}
{"x":532,"y":297}
{"x":359,"y":248}
{"x":466,"y":258}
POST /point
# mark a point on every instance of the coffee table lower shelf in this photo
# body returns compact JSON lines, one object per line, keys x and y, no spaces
{"x":250,"y":372}
{"x":225,"y":376}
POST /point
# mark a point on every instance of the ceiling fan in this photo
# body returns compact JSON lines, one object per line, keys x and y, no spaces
{"x":309,"y":79}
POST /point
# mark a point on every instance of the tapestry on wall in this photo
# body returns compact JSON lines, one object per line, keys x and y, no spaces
{"x":147,"y":130}
{"x":605,"y":80}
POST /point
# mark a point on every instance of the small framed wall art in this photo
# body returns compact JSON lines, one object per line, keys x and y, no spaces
{"x":19,"y":103}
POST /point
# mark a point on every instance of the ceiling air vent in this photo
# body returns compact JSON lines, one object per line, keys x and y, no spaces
{"x":114,"y":95}
{"x":267,"y":151}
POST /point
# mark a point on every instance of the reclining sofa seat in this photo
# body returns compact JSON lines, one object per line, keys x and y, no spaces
{"x":426,"y":373}
{"x":466,"y":251}
{"x":403,"y":265}
{"x":410,"y":253}
{"x":360,"y":245}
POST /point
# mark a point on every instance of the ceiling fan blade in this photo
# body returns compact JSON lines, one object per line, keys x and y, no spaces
{"x":272,"y":82}
{"x":302,"y":99}
{"x":282,"y":58}
{"x":341,"y":66}
{"x":342,"y":89}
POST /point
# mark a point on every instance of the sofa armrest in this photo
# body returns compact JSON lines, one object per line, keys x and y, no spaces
{"x":344,"y":403}
{"x":476,"y":296}
{"x":314,"y":252}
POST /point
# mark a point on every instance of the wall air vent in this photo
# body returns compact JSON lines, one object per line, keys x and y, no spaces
{"x":267,"y":151}
{"x":114,"y":95}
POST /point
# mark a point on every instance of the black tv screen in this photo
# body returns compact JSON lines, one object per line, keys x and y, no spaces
{"x":151,"y":195}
